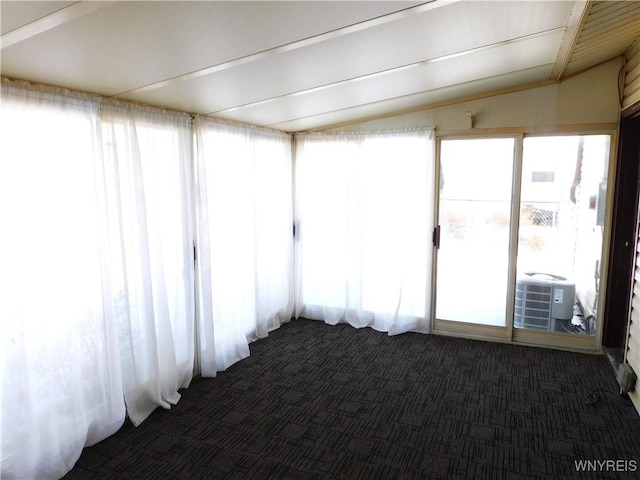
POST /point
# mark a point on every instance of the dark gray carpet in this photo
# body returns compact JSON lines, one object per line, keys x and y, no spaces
{"x":332,"y":402}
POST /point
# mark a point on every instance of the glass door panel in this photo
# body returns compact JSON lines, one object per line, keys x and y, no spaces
{"x":562,"y":211}
{"x":474,"y":216}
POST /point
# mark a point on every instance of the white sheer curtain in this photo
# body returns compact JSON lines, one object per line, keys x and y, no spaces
{"x":244,"y":212}
{"x":60,"y":377}
{"x":147,"y":178}
{"x":364,"y":209}
{"x":96,"y":272}
{"x":96,"y":255}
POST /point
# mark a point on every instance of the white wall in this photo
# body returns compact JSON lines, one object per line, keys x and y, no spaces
{"x":589,"y":98}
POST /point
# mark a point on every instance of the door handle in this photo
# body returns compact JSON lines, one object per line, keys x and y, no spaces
{"x":436,"y":237}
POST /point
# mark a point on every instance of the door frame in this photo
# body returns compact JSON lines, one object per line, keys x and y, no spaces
{"x":622,"y":236}
{"x":475,"y":330}
{"x":509,"y":334}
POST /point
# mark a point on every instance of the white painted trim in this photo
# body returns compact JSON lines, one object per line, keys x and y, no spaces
{"x":53,"y":20}
{"x":516,"y":185}
{"x":577,"y":17}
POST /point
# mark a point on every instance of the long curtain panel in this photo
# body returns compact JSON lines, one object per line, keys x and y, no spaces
{"x":60,"y":375}
{"x":99,"y":211}
{"x":97,"y":271}
{"x":364,"y":217}
{"x":244,"y":236}
{"x":147,"y":176}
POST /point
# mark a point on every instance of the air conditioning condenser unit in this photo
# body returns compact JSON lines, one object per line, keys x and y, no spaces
{"x":542,"y":298}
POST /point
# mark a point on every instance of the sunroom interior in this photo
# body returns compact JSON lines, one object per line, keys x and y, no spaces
{"x":442,"y":167}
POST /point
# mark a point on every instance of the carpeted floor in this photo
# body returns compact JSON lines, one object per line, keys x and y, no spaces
{"x":333,"y":402}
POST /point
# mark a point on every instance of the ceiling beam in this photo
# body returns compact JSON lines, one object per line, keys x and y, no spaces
{"x":374,"y":22}
{"x":53,"y":20}
{"x":577,"y":17}
{"x":416,"y":108}
{"x":389,"y":71}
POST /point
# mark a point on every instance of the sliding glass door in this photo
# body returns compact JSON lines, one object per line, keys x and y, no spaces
{"x":519,"y":237}
{"x":562,"y":218}
{"x":474,"y":229}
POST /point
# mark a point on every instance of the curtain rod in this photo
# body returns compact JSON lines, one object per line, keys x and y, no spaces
{"x":104,"y":100}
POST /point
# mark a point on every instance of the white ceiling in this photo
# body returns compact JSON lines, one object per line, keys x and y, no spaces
{"x":293,"y":65}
